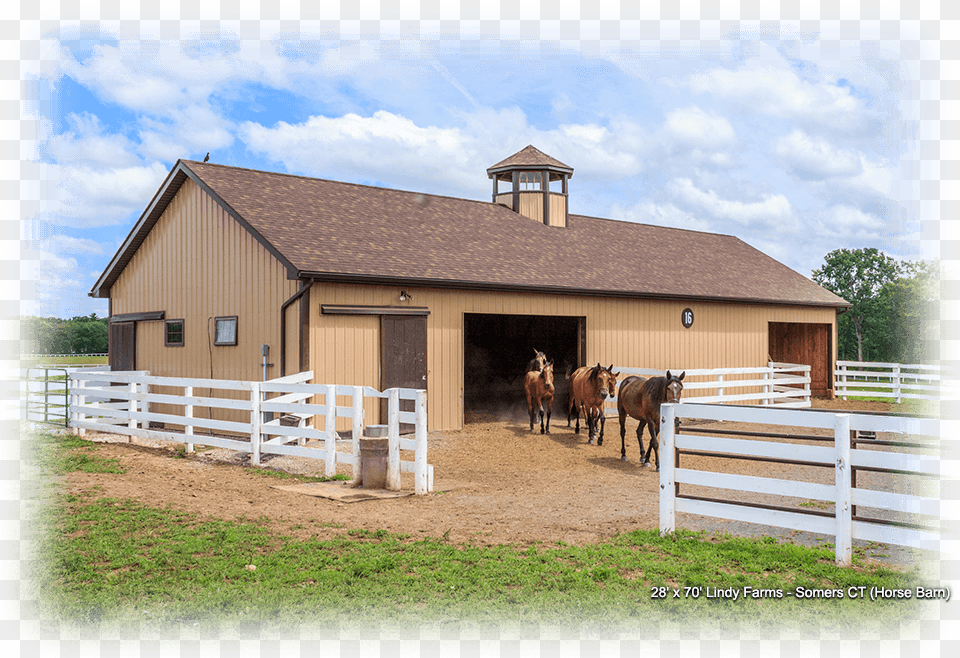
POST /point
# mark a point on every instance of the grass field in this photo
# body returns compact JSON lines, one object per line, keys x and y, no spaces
{"x":58,"y":361}
{"x":119,"y":562}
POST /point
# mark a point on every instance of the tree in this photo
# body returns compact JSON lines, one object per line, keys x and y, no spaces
{"x":912,"y":307}
{"x":859,"y":276}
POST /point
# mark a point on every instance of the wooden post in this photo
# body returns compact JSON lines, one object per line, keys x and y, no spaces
{"x":132,"y":409}
{"x":720,"y":387}
{"x":358,"y":428}
{"x":421,"y":485}
{"x":843,"y":379}
{"x":668,"y":499}
{"x":188,"y":413}
{"x":765,"y":400}
{"x":844,"y":502}
{"x":393,"y":434}
{"x":256,"y":420}
{"x":330,"y":431}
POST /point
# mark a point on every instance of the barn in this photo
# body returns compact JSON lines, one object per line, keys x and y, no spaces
{"x":233,"y":273}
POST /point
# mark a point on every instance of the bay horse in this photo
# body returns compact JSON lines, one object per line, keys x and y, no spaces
{"x":540,"y":389}
{"x":641,"y":399}
{"x":589,"y":387}
{"x":538,"y":361}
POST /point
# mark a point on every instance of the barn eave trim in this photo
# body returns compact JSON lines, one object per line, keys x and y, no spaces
{"x":333,"y":277}
{"x":145,"y":316}
{"x":343,"y":309}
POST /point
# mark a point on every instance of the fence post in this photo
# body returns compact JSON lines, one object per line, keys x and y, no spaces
{"x":420,"y":485}
{"x":896,"y":381}
{"x":765,"y":400}
{"x":720,"y":386}
{"x":843,"y":380}
{"x":132,"y":409}
{"x":188,"y":413}
{"x":668,"y":499}
{"x":357,"y":431}
{"x":81,"y":400}
{"x":256,"y":419}
{"x":807,"y":370}
{"x":330,"y":431}
{"x":46,"y":395}
{"x":393,"y":446}
{"x":844,"y":511}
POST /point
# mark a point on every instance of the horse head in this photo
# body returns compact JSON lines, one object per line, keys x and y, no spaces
{"x":547,"y":376}
{"x":674,"y":387}
{"x":606,"y":380}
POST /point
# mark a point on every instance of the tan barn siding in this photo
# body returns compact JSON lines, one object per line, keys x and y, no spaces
{"x":636,"y":333}
{"x":198,"y":263}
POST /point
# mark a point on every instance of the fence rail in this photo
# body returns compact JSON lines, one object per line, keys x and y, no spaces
{"x":843,"y":458}
{"x":784,"y":385}
{"x":890,"y":380}
{"x":279,"y":413}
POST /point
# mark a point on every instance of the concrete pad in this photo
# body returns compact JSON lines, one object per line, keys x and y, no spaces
{"x":341,"y":492}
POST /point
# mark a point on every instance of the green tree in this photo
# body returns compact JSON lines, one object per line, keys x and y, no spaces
{"x":912,"y":308}
{"x":859,"y":276}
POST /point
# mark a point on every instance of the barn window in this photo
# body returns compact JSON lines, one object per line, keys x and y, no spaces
{"x":225,"y":330}
{"x":173,"y":333}
{"x":530,"y":180}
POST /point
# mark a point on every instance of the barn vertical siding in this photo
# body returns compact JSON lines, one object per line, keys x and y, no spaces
{"x":198,"y":263}
{"x":635,"y":333}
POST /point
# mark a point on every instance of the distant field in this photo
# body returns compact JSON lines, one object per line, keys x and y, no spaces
{"x":77,"y":360}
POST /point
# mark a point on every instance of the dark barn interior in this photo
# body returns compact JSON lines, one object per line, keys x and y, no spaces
{"x":497,"y":349}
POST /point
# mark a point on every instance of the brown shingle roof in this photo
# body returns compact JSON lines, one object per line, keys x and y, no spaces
{"x":531,"y":157}
{"x":343,"y":231}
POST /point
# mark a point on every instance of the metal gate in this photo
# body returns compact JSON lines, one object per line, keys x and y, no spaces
{"x":47,"y":396}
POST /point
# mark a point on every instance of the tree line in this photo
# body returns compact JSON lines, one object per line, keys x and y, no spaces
{"x":895,"y":312}
{"x":82,"y":334}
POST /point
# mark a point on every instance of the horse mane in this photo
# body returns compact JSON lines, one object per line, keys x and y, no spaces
{"x":656,"y":388}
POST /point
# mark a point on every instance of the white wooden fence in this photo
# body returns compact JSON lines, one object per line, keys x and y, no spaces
{"x":841,"y":457}
{"x":894,"y":380}
{"x":119,"y":402}
{"x":780,"y":384}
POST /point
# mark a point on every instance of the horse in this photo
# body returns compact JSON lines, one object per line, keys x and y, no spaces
{"x":641,"y":399}
{"x":589,"y":387}
{"x":539,"y":388}
{"x":538,"y":361}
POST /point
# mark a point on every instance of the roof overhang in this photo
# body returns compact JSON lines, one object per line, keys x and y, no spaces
{"x":448,"y":284}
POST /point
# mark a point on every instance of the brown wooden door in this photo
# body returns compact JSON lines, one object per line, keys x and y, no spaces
{"x":123,"y":346}
{"x":403,"y":359}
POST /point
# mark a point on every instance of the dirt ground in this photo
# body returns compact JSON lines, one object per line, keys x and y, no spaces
{"x":495,"y":482}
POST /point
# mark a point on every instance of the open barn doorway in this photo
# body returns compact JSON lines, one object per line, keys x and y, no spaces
{"x":808,"y":344}
{"x":497,"y":349}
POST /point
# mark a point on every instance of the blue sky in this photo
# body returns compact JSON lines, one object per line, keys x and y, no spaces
{"x":797,"y":137}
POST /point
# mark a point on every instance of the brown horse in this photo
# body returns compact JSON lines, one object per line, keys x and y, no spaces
{"x":539,"y":388}
{"x":641,"y":399}
{"x":538,"y":361}
{"x":589,"y":387}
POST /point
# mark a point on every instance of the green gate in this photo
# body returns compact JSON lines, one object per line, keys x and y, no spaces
{"x":48,"y":396}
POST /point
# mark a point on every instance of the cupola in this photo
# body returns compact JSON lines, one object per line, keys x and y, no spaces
{"x":528,"y":175}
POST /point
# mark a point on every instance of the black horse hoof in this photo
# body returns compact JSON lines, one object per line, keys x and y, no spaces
{"x":548,"y":431}
{"x":541,"y":430}
{"x":590,"y":441}
{"x":623,"y":458}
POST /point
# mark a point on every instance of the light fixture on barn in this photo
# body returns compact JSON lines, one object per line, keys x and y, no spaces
{"x":404,"y":296}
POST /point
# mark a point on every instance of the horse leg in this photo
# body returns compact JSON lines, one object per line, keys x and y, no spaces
{"x":540,"y":410}
{"x":640,"y":427}
{"x":654,"y":445}
{"x":623,"y":431}
{"x":549,"y":411}
{"x":591,"y":424}
{"x":603,"y":421}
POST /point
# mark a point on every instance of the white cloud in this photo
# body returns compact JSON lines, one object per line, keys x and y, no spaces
{"x":88,"y":143}
{"x":849,"y":223}
{"x":773,"y":208}
{"x":64,"y":244}
{"x":659,"y":215}
{"x":695,"y":128}
{"x":92,"y":197}
{"x":772,"y":87}
{"x":814,"y":158}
